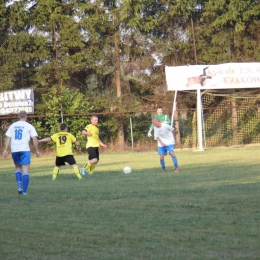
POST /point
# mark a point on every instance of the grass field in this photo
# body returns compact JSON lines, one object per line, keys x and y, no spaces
{"x":209,"y":210}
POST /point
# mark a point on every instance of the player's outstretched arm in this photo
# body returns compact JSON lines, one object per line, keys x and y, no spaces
{"x":149,"y":134}
{"x":46,"y":139}
{"x":77,"y":143}
{"x":35,"y":142}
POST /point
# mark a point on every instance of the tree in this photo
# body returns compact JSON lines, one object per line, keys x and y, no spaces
{"x":19,"y":50}
{"x":73,"y":102}
{"x":119,"y":48}
{"x":230,"y":31}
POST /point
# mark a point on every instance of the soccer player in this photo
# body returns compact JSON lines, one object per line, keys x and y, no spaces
{"x":20,"y":134}
{"x":164,"y":134}
{"x":91,"y":131}
{"x":64,"y":154}
{"x":162,"y":118}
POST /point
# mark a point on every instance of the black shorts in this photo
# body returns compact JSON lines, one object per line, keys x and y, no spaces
{"x":93,"y":153}
{"x":65,"y":159}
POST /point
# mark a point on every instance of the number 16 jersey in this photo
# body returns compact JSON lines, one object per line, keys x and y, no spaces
{"x":20,"y":133}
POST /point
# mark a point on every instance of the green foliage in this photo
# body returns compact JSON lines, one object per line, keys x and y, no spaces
{"x":228,"y":31}
{"x":54,"y":106}
{"x":140,"y":126}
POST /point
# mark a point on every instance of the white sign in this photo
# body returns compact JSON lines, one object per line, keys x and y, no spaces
{"x":222,"y":76}
{"x":13,"y":101}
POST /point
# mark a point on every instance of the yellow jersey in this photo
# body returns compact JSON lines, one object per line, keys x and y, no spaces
{"x":64,"y":141}
{"x":93,"y":141}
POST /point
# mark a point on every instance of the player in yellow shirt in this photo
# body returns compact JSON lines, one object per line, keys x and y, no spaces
{"x":91,"y":131}
{"x":64,"y":154}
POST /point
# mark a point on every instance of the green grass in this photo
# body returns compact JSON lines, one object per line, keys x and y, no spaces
{"x":209,"y":210}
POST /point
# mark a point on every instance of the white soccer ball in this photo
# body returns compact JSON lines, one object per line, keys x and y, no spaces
{"x":127,"y":170}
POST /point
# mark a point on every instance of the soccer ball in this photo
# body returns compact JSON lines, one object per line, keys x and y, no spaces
{"x":127,"y":170}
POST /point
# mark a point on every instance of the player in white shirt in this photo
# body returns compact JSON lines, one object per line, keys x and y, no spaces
{"x":19,"y":135}
{"x":165,"y":139}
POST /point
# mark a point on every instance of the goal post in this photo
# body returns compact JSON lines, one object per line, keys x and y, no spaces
{"x":205,"y":78}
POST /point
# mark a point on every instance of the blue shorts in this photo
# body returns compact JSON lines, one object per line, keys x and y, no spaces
{"x":22,"y":158}
{"x":163,"y":150}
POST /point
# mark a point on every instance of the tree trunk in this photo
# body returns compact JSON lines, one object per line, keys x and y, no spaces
{"x":120,"y":137}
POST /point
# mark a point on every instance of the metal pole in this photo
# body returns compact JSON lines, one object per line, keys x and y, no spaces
{"x":174,"y":107}
{"x":199,"y":121}
{"x":132,"y":138}
{"x":203,"y":127}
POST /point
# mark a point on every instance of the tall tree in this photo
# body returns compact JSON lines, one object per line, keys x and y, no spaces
{"x":57,"y":22}
{"x":18,"y":48}
{"x":229,"y":31}
{"x":116,"y":44}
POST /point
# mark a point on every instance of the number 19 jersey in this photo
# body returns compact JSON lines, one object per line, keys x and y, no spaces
{"x":64,"y":141}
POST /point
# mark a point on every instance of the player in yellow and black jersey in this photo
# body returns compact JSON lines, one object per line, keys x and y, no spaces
{"x":91,"y":131}
{"x":64,"y":154}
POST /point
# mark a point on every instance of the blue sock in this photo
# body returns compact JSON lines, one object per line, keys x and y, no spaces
{"x":162,"y":164}
{"x":26,"y":179}
{"x":19,"y":180}
{"x":175,"y":162}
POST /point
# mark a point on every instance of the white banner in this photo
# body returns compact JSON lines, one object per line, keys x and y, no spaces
{"x":222,"y":76}
{"x":13,"y":101}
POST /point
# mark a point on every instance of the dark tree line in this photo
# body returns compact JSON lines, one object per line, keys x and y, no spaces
{"x":112,"y":54}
